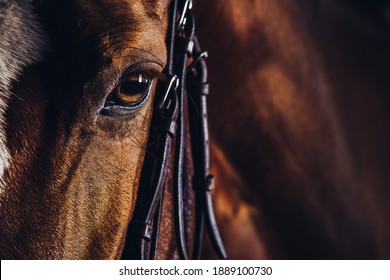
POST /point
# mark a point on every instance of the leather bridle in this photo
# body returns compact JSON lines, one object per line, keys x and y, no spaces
{"x":180,"y":111}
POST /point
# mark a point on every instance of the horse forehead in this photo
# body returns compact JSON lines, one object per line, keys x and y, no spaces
{"x":125,"y":24}
{"x":130,"y":8}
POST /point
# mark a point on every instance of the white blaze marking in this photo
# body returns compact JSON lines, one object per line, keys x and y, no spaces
{"x":21,"y":44}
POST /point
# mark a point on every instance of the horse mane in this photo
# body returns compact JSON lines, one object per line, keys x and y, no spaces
{"x":22,"y":43}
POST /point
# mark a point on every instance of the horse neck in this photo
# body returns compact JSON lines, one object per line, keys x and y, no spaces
{"x":282,"y":79}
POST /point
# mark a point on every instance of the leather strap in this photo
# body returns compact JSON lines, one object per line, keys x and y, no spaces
{"x":168,"y":123}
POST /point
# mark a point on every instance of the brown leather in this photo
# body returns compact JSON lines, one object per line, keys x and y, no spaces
{"x":168,"y":124}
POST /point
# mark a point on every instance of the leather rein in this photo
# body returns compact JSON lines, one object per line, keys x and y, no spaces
{"x":187,"y":81}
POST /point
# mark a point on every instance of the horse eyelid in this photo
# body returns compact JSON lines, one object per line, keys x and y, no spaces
{"x":149,"y":70}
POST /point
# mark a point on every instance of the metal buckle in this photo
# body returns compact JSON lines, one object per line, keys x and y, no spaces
{"x":183,"y":19}
{"x":173,"y":83}
{"x":198,"y":57}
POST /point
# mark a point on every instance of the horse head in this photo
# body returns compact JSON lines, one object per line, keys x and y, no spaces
{"x":77,"y":83}
{"x":299,"y":127}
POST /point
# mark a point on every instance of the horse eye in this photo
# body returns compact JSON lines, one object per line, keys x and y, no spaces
{"x":129,"y":95}
{"x":130,"y":91}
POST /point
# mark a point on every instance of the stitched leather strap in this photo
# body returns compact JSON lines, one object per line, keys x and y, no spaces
{"x":168,"y":123}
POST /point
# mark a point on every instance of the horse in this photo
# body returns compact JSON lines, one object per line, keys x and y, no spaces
{"x":298,"y":126}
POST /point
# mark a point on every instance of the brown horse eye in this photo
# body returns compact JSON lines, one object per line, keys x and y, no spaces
{"x":131,"y":90}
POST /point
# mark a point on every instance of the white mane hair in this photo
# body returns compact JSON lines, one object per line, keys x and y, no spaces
{"x":21,"y":44}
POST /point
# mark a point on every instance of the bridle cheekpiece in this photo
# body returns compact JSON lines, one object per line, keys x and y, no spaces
{"x":180,"y":110}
